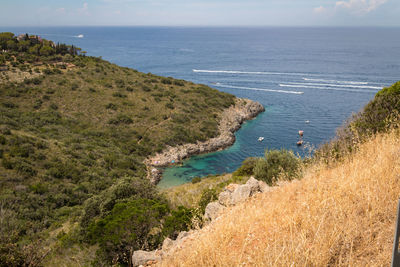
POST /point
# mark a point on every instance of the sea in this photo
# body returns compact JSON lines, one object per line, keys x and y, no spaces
{"x":308,"y":78}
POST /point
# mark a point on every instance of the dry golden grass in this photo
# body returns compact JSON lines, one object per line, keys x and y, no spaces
{"x":335,"y":216}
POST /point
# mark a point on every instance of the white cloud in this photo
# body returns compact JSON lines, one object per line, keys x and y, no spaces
{"x":319,"y":10}
{"x":359,"y":7}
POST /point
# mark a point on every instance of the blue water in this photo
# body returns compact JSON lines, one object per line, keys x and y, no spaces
{"x":337,"y":70}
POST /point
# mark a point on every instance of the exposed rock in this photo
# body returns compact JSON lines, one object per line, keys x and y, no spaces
{"x":231,"y":187}
{"x":141,"y":257}
{"x":263,"y":186}
{"x":254,"y":185}
{"x":225,"y":198}
{"x":182,"y":235}
{"x":155,"y":176}
{"x":241,"y":193}
{"x":213,"y":210}
{"x":231,"y":121}
{"x":232,"y":195}
{"x":167,"y":244}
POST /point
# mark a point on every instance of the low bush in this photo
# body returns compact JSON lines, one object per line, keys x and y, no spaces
{"x":275,"y":164}
{"x":196,"y":180}
{"x":179,"y":220}
{"x":121,"y":119}
{"x":247,"y":167}
{"x":118,"y":94}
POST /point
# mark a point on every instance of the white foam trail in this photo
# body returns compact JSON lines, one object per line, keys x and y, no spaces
{"x":339,"y":85}
{"x":62,"y":35}
{"x":255,"y":72}
{"x":327,"y":88}
{"x":334,"y":81}
{"x":259,"y":89}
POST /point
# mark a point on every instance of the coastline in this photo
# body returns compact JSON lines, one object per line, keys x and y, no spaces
{"x":231,"y":120}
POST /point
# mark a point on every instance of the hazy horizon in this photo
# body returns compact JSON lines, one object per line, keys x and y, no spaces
{"x":196,"y":13}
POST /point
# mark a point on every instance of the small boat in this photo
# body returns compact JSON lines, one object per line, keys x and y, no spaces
{"x":80,"y":36}
{"x":301,"y":133}
{"x":307,"y":122}
{"x":260,"y":139}
{"x":300,"y":142}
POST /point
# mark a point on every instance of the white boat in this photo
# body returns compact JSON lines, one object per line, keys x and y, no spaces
{"x":80,"y":36}
{"x":260,"y":139}
{"x":307,"y":122}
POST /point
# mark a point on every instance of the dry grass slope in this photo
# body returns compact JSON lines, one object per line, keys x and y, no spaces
{"x":335,"y":216}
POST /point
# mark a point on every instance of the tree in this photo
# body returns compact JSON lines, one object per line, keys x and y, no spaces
{"x":34,"y":50}
{"x":46,"y":51}
{"x":11,"y":45}
{"x":4,"y":38}
{"x":24,"y":45}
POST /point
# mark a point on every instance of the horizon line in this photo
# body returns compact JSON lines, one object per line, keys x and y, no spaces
{"x":215,"y":26}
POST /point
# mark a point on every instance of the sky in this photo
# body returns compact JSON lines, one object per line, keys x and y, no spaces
{"x":200,"y":12}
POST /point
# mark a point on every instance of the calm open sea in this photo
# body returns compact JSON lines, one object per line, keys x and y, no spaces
{"x":318,"y":75}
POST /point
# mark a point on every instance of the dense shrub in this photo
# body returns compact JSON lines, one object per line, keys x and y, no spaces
{"x":196,"y":180}
{"x":247,"y":167}
{"x":261,"y":169}
{"x":127,"y":228}
{"x":179,"y":220}
{"x":276,"y":163}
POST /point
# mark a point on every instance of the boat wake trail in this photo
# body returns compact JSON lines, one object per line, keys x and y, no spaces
{"x":328,"y":88}
{"x":255,"y":72}
{"x":338,"y":85}
{"x":333,"y":81}
{"x":259,"y":89}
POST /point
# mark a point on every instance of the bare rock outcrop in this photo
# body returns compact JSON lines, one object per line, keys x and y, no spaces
{"x":213,"y":210}
{"x":232,"y":195}
{"x":143,"y":258}
{"x":231,"y":120}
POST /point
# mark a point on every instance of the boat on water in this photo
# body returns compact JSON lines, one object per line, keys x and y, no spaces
{"x":299,"y":143}
{"x":260,"y":139}
{"x":80,"y":36}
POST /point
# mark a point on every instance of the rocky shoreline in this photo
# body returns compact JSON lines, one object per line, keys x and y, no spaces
{"x":231,"y":121}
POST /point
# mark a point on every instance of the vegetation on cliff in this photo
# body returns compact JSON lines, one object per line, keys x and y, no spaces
{"x":74,"y":131}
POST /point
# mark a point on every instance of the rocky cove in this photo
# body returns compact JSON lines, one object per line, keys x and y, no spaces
{"x":231,"y":120}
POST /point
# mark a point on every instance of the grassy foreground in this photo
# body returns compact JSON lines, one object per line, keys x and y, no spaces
{"x":339,"y":215}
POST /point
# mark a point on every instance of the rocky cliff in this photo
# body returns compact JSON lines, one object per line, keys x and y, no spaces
{"x":231,"y":120}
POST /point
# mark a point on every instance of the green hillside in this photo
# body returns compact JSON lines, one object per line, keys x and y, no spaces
{"x":74,"y":131}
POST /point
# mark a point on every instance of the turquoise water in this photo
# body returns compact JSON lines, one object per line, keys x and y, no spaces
{"x":201,"y":165}
{"x":338,"y":70}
